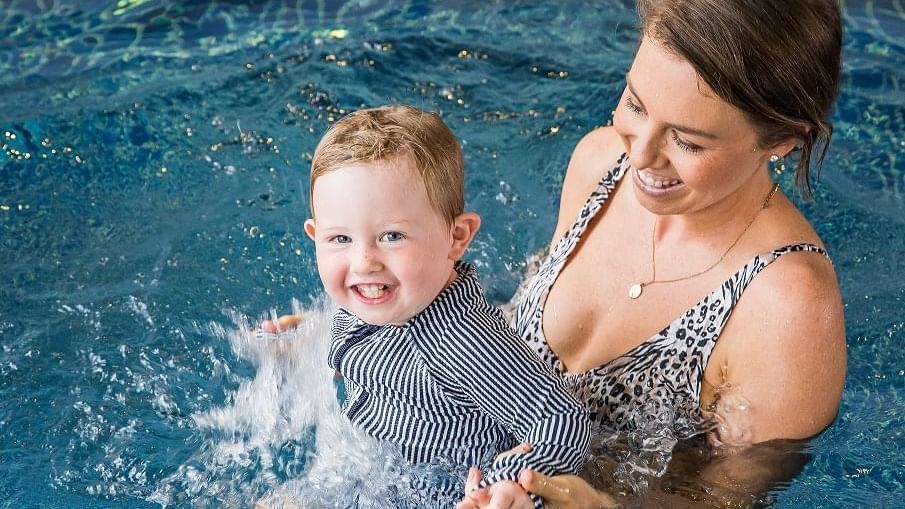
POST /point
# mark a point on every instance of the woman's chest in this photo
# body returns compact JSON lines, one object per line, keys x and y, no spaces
{"x":589,"y":319}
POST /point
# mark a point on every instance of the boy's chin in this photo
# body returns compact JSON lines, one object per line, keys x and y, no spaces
{"x":369,"y":317}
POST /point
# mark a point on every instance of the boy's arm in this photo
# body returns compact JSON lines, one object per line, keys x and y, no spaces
{"x":507,"y":381}
{"x":345,"y":329}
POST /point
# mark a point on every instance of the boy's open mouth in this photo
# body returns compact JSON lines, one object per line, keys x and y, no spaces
{"x":372,"y":291}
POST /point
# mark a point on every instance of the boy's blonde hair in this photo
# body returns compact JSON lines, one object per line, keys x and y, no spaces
{"x":387,"y":132}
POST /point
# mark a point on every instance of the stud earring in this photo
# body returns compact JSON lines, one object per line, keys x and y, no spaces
{"x":778,"y":168}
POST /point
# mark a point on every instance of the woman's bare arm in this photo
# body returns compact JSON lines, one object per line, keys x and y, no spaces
{"x":782,"y":354}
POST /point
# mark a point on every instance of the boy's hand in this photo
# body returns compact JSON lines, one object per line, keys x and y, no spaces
{"x":285,"y":322}
{"x":499,"y":495}
{"x":269,"y":330}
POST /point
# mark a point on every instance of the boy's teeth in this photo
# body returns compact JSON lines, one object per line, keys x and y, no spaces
{"x":650,"y":181}
{"x":372,"y":291}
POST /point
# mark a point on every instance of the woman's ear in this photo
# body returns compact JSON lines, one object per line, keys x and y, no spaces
{"x":783,"y":150}
{"x":309,"y":228}
{"x":464,"y":228}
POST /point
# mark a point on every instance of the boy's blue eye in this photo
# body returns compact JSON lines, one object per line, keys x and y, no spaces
{"x":392,"y":237}
{"x":340,"y":239}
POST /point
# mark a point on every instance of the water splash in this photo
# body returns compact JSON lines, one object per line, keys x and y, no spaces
{"x":280,"y":438}
{"x":678,"y":455}
{"x":732,"y":420}
{"x":628,"y":463}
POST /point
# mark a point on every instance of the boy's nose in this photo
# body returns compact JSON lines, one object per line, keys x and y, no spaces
{"x":365,"y":261}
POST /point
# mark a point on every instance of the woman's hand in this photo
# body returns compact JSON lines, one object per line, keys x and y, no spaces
{"x":285,"y":322}
{"x":499,"y":495}
{"x":565,"y":491}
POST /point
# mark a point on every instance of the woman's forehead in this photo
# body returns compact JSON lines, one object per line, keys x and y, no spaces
{"x":671,"y":90}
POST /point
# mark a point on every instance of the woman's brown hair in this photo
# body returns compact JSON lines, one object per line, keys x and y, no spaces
{"x":775,"y":60}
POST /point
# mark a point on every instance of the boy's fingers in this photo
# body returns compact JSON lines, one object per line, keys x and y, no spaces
{"x":468,"y":503}
{"x":519,"y":449}
{"x":285,"y":322}
{"x":472,"y":481}
{"x":475,"y":499}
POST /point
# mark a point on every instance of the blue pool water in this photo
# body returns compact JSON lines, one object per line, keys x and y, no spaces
{"x":153,"y":182}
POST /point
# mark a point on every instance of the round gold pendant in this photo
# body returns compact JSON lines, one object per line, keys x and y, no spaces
{"x":635,"y":291}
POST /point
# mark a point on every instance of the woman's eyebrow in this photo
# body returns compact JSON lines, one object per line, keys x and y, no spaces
{"x":682,"y":128}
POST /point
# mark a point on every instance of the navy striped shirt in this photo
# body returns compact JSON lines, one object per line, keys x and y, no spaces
{"x":456,"y":384}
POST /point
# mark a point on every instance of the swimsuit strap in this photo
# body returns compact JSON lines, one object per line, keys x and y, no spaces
{"x":592,"y":205}
{"x":746,"y":274}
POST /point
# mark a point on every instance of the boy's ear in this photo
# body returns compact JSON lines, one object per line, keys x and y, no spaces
{"x":309,"y":228}
{"x":464,"y":228}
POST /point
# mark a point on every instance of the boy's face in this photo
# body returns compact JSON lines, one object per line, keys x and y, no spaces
{"x":383,"y":252}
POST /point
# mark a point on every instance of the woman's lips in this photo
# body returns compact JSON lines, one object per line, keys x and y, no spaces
{"x":648,"y":183}
{"x":650,"y":180}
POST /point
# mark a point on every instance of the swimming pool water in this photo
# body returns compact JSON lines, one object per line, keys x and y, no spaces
{"x":153,"y":181}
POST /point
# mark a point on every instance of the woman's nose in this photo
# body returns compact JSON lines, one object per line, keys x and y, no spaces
{"x":644,"y":151}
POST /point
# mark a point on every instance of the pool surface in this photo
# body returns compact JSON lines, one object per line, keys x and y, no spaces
{"x":153,"y":184}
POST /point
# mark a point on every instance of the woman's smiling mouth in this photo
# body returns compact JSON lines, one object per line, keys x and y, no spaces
{"x":649,"y":180}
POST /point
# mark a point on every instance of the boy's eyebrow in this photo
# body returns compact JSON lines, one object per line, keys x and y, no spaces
{"x":385,"y":224}
{"x":684,"y":129}
{"x":398,"y":222}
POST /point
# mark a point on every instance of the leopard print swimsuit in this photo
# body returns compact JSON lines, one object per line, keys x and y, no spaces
{"x":662,"y":375}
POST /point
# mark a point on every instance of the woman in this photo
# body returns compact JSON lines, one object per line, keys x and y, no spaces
{"x":690,"y":224}
{"x":700,"y":282}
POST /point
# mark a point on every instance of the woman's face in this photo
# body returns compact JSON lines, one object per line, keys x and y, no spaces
{"x":688,"y":149}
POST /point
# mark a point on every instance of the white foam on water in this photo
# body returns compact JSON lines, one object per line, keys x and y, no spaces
{"x":289,"y":405}
{"x":731,"y":416}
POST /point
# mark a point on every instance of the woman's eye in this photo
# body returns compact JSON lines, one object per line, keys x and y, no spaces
{"x":392,"y":237}
{"x":340,"y":239}
{"x":630,"y":104}
{"x":684,"y":145}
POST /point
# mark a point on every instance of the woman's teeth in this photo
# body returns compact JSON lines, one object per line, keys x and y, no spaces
{"x":651,"y":181}
{"x":372,"y":291}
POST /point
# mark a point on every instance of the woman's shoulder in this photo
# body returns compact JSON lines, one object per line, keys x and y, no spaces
{"x":801,"y":273}
{"x":797,"y":282}
{"x":798,"y":289}
{"x":594,"y":155}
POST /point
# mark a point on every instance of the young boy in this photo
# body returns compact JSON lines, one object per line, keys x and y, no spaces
{"x":429,"y":364}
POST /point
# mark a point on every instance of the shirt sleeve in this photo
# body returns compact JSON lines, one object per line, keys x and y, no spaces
{"x":506,"y":380}
{"x":345,"y":330}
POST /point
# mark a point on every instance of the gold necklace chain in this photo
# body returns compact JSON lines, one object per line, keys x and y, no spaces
{"x":637,"y":289}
